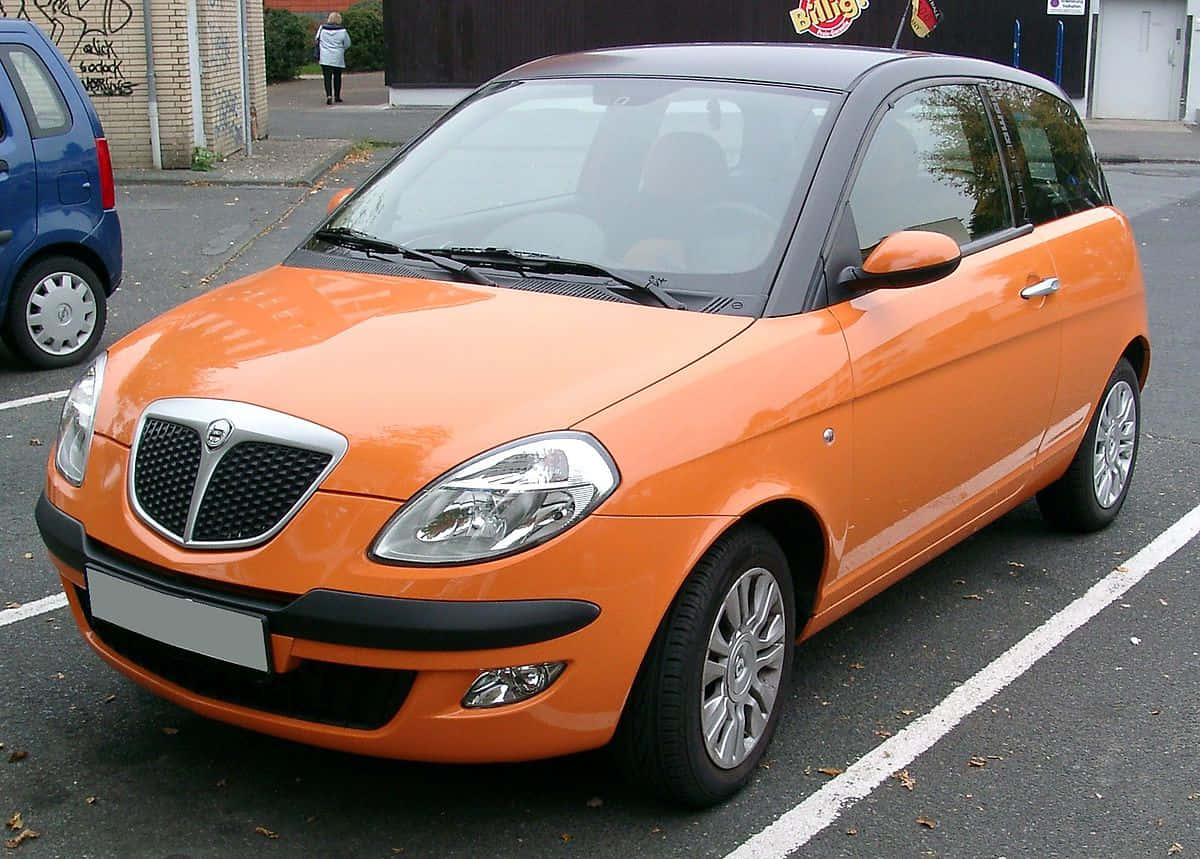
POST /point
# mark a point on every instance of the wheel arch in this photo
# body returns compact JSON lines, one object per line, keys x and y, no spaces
{"x":802,"y":536}
{"x":77,"y":251}
{"x":1138,"y":354}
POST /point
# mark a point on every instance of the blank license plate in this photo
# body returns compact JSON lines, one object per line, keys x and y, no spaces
{"x":221,"y":633}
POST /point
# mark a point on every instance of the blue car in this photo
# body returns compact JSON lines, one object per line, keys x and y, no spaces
{"x":60,"y":238}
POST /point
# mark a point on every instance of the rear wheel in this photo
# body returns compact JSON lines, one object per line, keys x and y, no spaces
{"x":709,"y":694}
{"x":56,"y":313}
{"x":1089,"y":496}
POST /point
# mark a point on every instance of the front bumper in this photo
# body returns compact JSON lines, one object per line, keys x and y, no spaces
{"x":401,"y":645}
{"x":338,"y":617}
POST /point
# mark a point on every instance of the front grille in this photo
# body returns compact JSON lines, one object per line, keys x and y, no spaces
{"x":348,"y":696}
{"x":224,"y":474}
{"x":165,"y":469}
{"x":253,"y":487}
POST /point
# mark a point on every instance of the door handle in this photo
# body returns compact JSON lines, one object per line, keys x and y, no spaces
{"x":1049,"y":286}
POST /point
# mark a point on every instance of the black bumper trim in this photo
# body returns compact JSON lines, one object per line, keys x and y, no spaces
{"x":339,"y":617}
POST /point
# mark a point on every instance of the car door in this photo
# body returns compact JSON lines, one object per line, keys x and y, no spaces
{"x":1062,"y":193}
{"x":18,"y":192}
{"x":953,"y":379}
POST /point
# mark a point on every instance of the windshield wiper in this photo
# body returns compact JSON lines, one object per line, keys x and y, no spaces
{"x":348,"y":237}
{"x":522,"y":260}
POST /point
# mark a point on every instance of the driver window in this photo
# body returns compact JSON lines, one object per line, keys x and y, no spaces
{"x":932,"y":164}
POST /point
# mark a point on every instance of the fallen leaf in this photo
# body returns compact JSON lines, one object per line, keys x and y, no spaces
{"x":221,"y":782}
{"x":960,"y":581}
{"x":170,"y":732}
{"x":908,"y":712}
{"x":595,"y":802}
{"x":972,"y":597}
{"x":1162,"y":601}
{"x":882,"y":733}
{"x":108,"y":698}
{"x":654,"y":830}
{"x":851,"y":831}
{"x":830,"y":771}
{"x":1194,"y":796}
{"x":905,"y":779}
{"x":977,"y":761}
{"x":91,"y":800}
{"x":1133,"y":639}
{"x":1175,"y":847}
{"x":26,"y":835}
{"x":35,"y":442}
{"x":857,"y":666}
{"x":566,"y":837}
{"x":15,"y":822}
{"x":1015,"y":564}
{"x":28,"y":556}
{"x":12,"y":605}
{"x":17,"y":755}
{"x":58,"y":675}
{"x":927,"y":823}
{"x":266,"y":833}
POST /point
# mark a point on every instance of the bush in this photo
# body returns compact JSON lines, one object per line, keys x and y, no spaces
{"x":287,"y":45}
{"x":364,"y":22}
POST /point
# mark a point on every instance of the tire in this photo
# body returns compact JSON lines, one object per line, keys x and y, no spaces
{"x":660,"y":741}
{"x":1090,"y":495}
{"x":33,"y":326}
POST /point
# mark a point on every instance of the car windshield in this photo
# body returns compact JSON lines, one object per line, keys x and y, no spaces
{"x":686,"y":180}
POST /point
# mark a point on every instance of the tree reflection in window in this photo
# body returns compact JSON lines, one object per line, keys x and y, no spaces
{"x":932,"y":164}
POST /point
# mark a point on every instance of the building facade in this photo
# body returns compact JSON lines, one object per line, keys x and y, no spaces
{"x":1116,"y":58}
{"x":200,"y":83}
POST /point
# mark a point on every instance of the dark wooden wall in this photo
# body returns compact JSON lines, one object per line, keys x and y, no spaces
{"x":465,"y":42}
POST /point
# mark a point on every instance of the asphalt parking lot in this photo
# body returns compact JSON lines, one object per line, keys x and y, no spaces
{"x":1094,"y":750}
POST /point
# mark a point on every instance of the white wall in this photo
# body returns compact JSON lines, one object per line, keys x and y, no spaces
{"x":1192,"y":113}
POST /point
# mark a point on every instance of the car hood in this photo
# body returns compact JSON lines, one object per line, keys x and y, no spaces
{"x":419,"y":375}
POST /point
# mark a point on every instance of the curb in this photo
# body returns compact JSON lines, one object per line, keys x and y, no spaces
{"x":306,"y":178}
{"x":1140,"y":159}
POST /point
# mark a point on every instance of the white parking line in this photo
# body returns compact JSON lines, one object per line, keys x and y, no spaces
{"x":796,"y":827}
{"x":36,"y":398}
{"x":32,"y":609}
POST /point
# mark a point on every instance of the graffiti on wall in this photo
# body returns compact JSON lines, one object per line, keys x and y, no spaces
{"x":84,"y":31}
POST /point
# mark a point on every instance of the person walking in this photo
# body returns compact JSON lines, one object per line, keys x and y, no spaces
{"x":332,"y":41}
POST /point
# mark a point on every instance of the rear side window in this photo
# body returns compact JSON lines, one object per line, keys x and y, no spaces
{"x":1055,"y":169}
{"x":41,"y":100}
{"x":932,"y":164}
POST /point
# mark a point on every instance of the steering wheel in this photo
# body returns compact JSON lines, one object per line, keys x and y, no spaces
{"x":730,"y":236}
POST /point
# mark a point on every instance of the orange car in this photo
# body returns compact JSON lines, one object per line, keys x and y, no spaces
{"x":639,"y":366}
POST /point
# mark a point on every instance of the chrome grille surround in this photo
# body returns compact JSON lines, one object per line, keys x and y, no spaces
{"x":249,"y":423}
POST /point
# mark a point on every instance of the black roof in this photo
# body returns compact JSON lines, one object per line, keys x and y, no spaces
{"x":831,"y":67}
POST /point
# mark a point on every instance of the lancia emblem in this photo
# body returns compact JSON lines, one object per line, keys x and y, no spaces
{"x":218,"y":433}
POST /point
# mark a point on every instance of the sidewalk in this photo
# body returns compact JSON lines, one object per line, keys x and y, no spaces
{"x":1122,"y":141}
{"x":307,"y":136}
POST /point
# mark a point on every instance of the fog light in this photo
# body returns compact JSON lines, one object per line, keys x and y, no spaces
{"x":499,"y":686}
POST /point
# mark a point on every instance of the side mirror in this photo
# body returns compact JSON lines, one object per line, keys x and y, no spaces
{"x":903,"y":259}
{"x":336,"y":200}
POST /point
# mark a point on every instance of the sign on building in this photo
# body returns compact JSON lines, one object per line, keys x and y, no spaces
{"x":1066,"y":7}
{"x":827,"y":19}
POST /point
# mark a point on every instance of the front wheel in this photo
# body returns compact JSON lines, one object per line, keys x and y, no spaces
{"x":56,"y":313}
{"x":1090,"y":494}
{"x":710,"y":691}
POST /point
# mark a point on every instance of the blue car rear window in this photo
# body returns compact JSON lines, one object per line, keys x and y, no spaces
{"x":42,"y":101}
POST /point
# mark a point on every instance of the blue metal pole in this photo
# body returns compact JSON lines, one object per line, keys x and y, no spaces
{"x":1058,"y":53}
{"x":1017,"y":43}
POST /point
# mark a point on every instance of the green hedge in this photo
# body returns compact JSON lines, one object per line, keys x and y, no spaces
{"x":288,"y":44}
{"x":364,"y":22}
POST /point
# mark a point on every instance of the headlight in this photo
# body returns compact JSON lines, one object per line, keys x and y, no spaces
{"x":75,"y":425}
{"x":503,"y":501}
